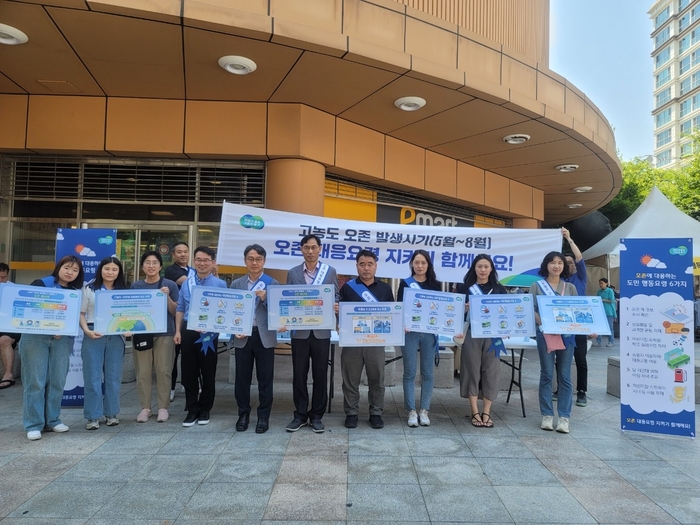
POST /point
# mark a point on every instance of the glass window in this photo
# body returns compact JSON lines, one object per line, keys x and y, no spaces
{"x":694,"y":59}
{"x":663,"y":158}
{"x":684,"y":65}
{"x":663,"y":77}
{"x":685,"y":107}
{"x":663,"y":57}
{"x":685,"y":87}
{"x":662,"y":17}
{"x":663,"y":97}
{"x":686,"y":149}
{"x":682,"y":4}
{"x":684,"y":22}
{"x":686,"y":127}
{"x":663,"y":118}
{"x":663,"y":138}
{"x":683,"y":45}
{"x":694,"y":35}
{"x":662,"y":37}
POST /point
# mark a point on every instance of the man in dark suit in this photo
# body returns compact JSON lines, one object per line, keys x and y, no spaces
{"x":310,"y":344}
{"x":259,"y":348}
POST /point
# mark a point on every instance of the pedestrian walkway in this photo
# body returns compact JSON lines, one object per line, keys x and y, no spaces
{"x":450,"y":472}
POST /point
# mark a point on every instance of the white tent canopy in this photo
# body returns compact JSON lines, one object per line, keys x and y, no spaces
{"x":656,"y":218}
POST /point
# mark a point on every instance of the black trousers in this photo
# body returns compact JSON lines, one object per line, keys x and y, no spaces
{"x":580,"y":351}
{"x":264,"y":359}
{"x":317,"y":350}
{"x":195,"y":365}
{"x":177,"y":353}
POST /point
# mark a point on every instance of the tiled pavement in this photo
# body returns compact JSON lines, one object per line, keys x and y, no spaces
{"x":450,"y":472}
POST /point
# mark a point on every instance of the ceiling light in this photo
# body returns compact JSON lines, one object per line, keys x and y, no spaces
{"x":583,"y":189}
{"x":516,"y":138}
{"x":409,"y":103}
{"x":11,"y":36}
{"x":575,"y":205}
{"x":237,"y":65}
{"x":566,"y":168}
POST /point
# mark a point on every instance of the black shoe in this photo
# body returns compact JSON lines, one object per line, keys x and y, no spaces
{"x":317,"y":426}
{"x":296,"y":424}
{"x":376,"y":422}
{"x":203,"y":418}
{"x":262,"y":426}
{"x":190,"y":420}
{"x":581,"y":400}
{"x":242,"y":423}
{"x":351,"y":422}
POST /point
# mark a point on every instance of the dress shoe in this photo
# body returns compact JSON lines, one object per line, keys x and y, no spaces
{"x":242,"y":423}
{"x":262,"y":426}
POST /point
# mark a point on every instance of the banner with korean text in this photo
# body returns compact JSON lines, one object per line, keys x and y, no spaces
{"x":516,"y":253}
{"x":657,"y":352}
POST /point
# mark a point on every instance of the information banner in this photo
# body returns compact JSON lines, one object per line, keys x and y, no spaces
{"x":433,"y":312}
{"x":371,"y":324}
{"x":657,"y":352}
{"x":39,"y":310}
{"x":221,"y":310}
{"x":568,"y":315}
{"x":131,"y":311}
{"x":502,"y":315}
{"x":300,"y":307}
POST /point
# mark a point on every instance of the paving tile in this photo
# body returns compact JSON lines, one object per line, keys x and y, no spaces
{"x":691,"y":468}
{"x":14,"y":493}
{"x":304,"y":443}
{"x":659,"y":446}
{"x":316,"y":469}
{"x":448,"y":470}
{"x":460,"y":504}
{"x":196,"y":442}
{"x":175,"y":468}
{"x":148,"y":500}
{"x":498,"y":447}
{"x":556,"y":445}
{"x":110,"y":521}
{"x":542,"y":505}
{"x":679,"y":502}
{"x":227,"y":501}
{"x":614,"y":448}
{"x":511,"y":471}
{"x":117,"y":467}
{"x":247,"y":443}
{"x":39,"y":467}
{"x":69,"y":443}
{"x":390,"y":470}
{"x":260,"y":468}
{"x":624,"y":504}
{"x":584,"y":473}
{"x":399,"y":503}
{"x":307,"y":502}
{"x":387,"y":445}
{"x":6,"y":458}
{"x":131,"y":443}
{"x":438,"y":446}
{"x":653,"y":474}
{"x":43,"y":521}
{"x":68,"y":499}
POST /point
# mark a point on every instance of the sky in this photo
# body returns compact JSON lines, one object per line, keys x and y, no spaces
{"x":604,"y":47}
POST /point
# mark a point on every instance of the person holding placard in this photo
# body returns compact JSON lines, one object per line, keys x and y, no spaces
{"x":311,"y":345}
{"x":198,"y":350}
{"x":422,"y":277}
{"x":365,"y":288}
{"x":8,"y":341}
{"x":480,"y":365}
{"x":162,"y":352}
{"x":257,"y":349}
{"x":554,"y":270}
{"x":46,"y":358}
{"x":103,"y":355}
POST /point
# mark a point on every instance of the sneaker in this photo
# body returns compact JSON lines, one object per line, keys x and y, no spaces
{"x":547,"y":423}
{"x":60,"y":428}
{"x":423,"y":418}
{"x":563,"y":425}
{"x":376,"y":421}
{"x":597,"y":345}
{"x":351,"y":422}
{"x":190,"y":420}
{"x":581,"y":399}
{"x":555,"y":395}
{"x":172,"y":395}
{"x":296,"y":424}
{"x":412,"y":419}
{"x":163,"y":415}
{"x":92,"y":424}
{"x":143,"y":415}
{"x":33,"y":435}
{"x":610,"y":344}
{"x":203,"y":418}
{"x":317,"y":426}
{"x":112,"y":421}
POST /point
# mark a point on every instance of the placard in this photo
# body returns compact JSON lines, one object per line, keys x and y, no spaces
{"x":569,"y":315}
{"x":301,"y":307}
{"x":432,"y":312}
{"x":221,"y":310}
{"x":131,"y":311}
{"x":371,"y":324}
{"x":39,"y":310}
{"x":502,"y":315}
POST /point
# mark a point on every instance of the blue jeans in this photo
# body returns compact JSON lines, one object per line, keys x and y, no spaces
{"x":426,"y":342}
{"x":564,"y":359}
{"x":611,"y":337}
{"x":103,"y":356}
{"x":45,"y":362}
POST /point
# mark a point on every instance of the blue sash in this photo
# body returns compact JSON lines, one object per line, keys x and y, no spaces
{"x":261,"y":284}
{"x":50,"y":282}
{"x":361,"y":289}
{"x":412,"y":283}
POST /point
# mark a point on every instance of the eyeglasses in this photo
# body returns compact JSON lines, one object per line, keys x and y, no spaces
{"x":203,"y":260}
{"x":255,"y":260}
{"x":312,"y":248}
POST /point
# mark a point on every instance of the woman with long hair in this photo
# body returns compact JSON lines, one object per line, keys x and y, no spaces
{"x":422,"y":277}
{"x":103,"y":355}
{"x":554,"y":270}
{"x":479,"y":364}
{"x":161,"y":356}
{"x":46,"y":358}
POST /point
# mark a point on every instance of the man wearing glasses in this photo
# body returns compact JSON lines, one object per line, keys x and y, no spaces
{"x":199,"y":356}
{"x":258,"y":348}
{"x":310,"y":344}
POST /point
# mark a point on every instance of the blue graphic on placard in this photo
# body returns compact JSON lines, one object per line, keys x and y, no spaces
{"x":657,"y":379}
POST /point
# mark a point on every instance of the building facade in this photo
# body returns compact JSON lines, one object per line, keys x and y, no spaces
{"x":676,"y":61}
{"x":146,"y":116}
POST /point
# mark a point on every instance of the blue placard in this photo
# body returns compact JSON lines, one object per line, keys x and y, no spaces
{"x":131,"y":311}
{"x":221,"y":310}
{"x":502,"y":315}
{"x":572,"y":315}
{"x":39,"y":310}
{"x":371,"y":324}
{"x":432,"y":312}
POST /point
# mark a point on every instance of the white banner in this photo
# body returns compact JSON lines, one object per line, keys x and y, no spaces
{"x":516,"y":253}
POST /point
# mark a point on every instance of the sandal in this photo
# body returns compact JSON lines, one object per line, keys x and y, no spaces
{"x":476,"y":420}
{"x":488,"y":423}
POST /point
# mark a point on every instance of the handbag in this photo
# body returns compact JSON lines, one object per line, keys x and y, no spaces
{"x":143,"y":342}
